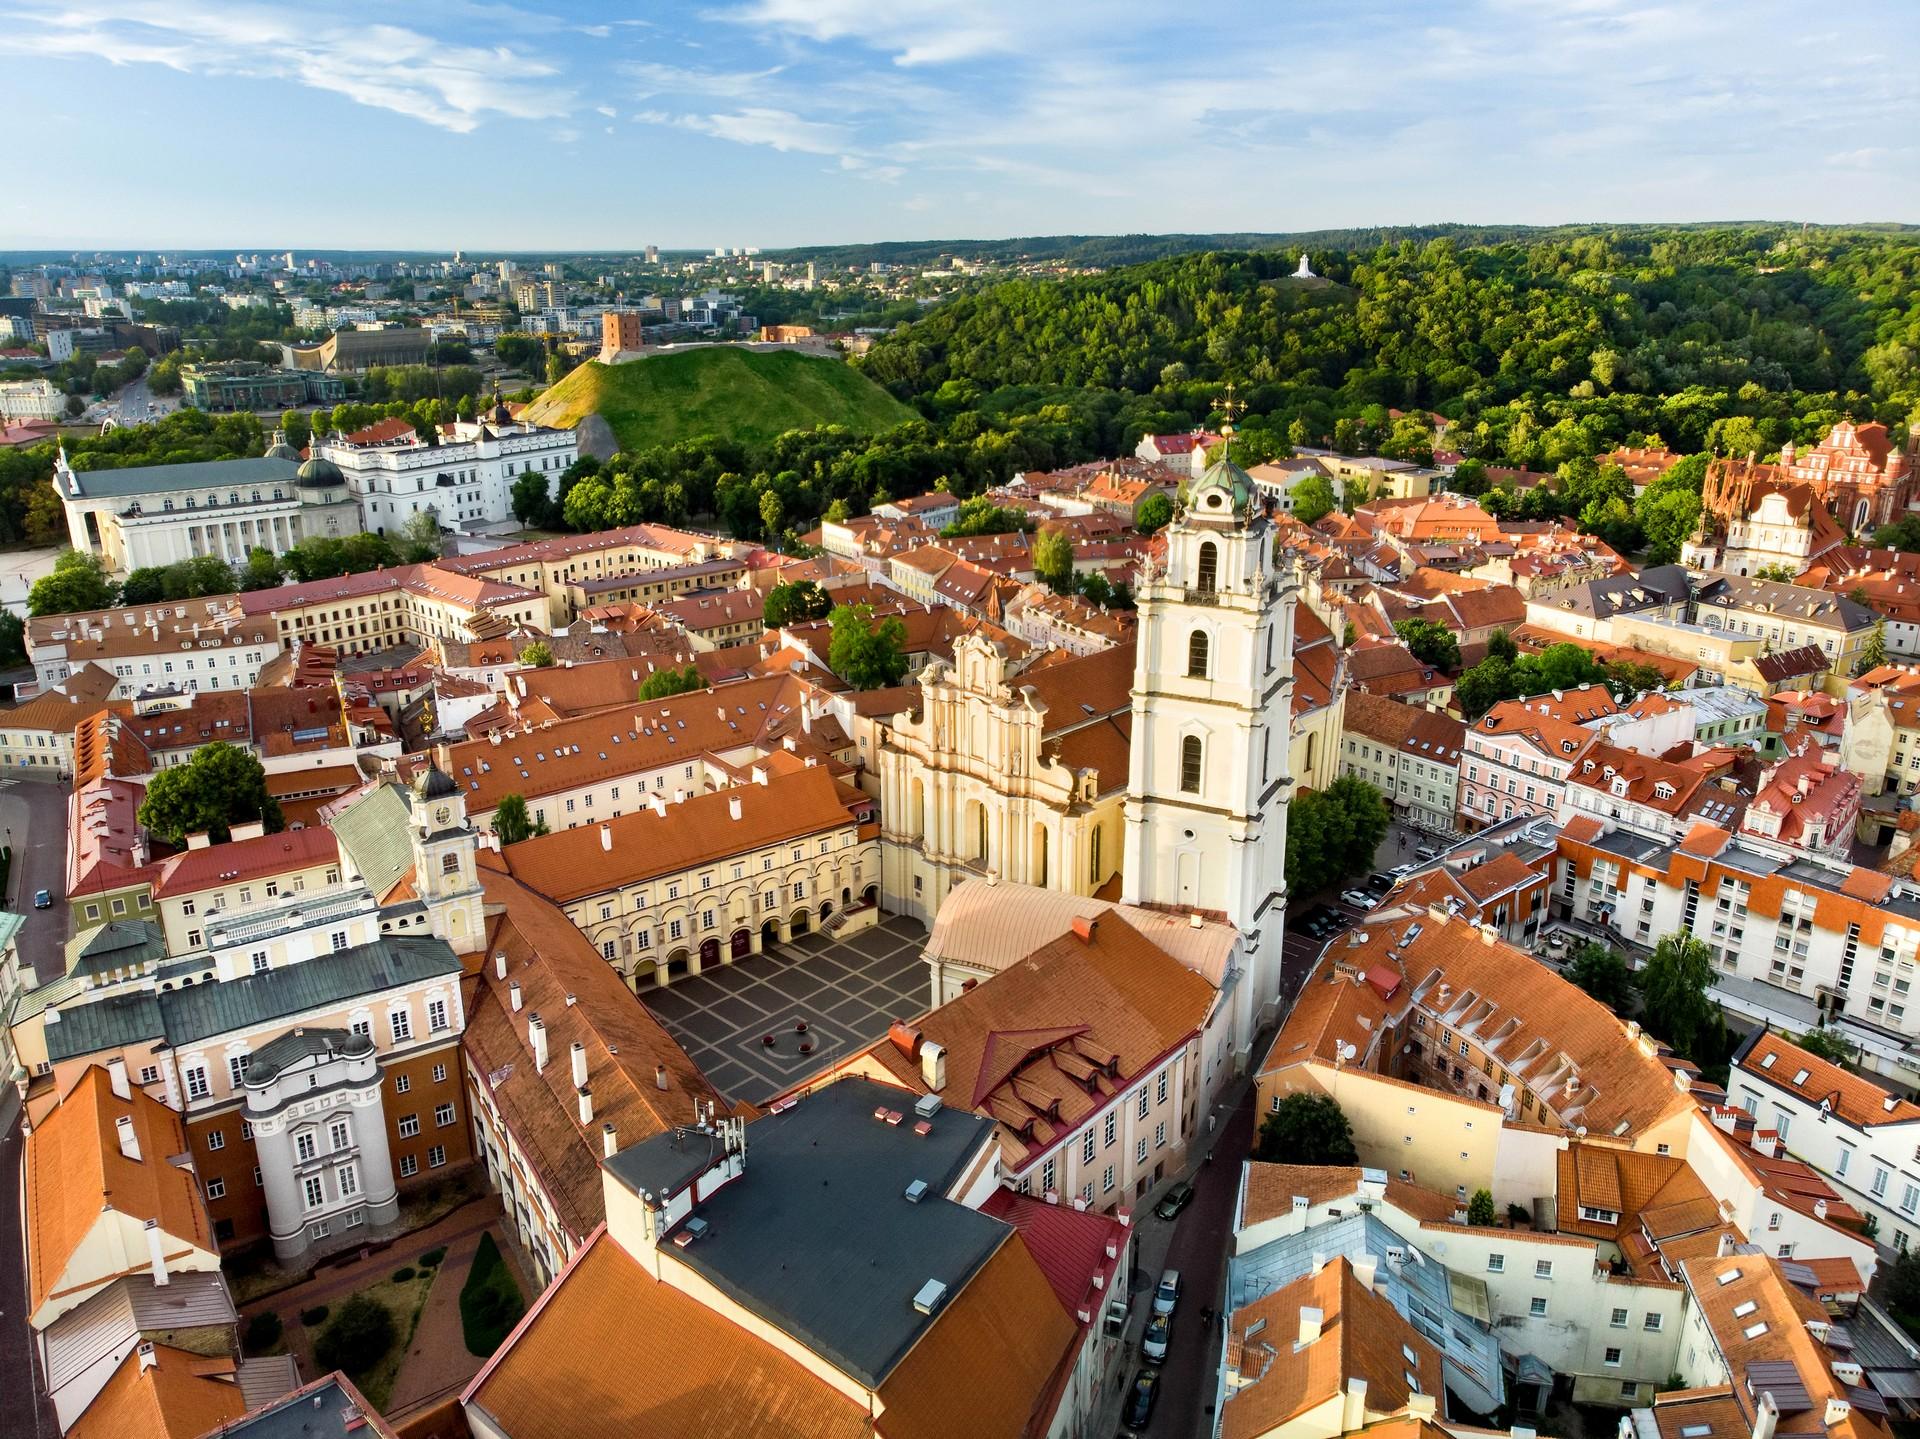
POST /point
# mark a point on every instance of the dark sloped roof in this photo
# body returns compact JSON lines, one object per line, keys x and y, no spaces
{"x":298,"y":1044}
{"x":818,"y":1238}
{"x":198,"y":475}
{"x":204,"y":1009}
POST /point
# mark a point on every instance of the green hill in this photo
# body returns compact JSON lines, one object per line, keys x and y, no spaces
{"x":747,"y":395}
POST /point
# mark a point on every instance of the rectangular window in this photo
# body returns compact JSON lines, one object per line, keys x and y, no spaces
{"x":1496,"y":1264}
{"x":1613,"y":1358}
{"x":316,"y":1192}
{"x":1619,"y":1320}
{"x":436,"y":1015}
{"x":1538,"y":1307}
{"x":436,"y":1157}
{"x":1543,"y":1269}
{"x":197,"y":1086}
{"x":1160,"y":1135}
{"x":1651,"y":1324}
{"x":1139,"y":1149}
{"x":1160,"y":1088}
{"x":409,"y":1166}
{"x":409,"y":1125}
{"x":337,"y":1135}
{"x":1046,"y":1177}
{"x":216,"y":1139}
{"x":304,"y":1145}
{"x":1086,"y":1147}
{"x":402,"y":1083}
{"x":1108,"y":1129}
{"x":338,"y":939}
{"x":1106,"y":1180}
{"x":349,"y":1181}
{"x":216,"y":1189}
{"x":439,"y":1074}
{"x":1143,"y":1101}
{"x":402,"y":1022}
{"x":443,"y":1115}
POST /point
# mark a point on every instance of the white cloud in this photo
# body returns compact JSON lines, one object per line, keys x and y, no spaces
{"x":388,"y":67}
{"x":780,"y":129}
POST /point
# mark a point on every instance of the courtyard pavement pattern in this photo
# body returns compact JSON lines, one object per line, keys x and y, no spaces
{"x":847,"y":990}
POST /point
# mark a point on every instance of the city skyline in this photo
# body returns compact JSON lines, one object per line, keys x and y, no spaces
{"x":792,"y":122}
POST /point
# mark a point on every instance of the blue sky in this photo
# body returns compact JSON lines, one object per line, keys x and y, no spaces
{"x":431,"y":125}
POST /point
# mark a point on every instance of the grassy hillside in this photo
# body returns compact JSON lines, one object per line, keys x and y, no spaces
{"x":748,"y":395}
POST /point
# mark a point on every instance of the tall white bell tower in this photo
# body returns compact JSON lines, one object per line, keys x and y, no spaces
{"x":1208,"y":786}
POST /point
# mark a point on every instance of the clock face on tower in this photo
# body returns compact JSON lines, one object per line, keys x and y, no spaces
{"x":442,"y":815}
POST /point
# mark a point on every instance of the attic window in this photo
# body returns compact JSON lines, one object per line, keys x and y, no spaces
{"x":1800,"y":1076}
{"x":1729,"y":1276}
{"x":1755,"y":1329}
{"x":1767,"y":1063}
{"x":1741,"y":1311}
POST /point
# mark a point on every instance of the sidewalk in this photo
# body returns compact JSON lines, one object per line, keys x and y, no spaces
{"x":437,"y":1363}
{"x":336,"y":1281}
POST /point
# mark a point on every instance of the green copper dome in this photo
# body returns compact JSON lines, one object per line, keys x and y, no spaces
{"x":1224,"y":487}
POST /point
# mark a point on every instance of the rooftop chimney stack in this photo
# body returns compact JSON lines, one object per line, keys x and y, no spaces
{"x":660,"y":1076}
{"x":1353,"y":1406}
{"x":500,"y":964}
{"x":156,"y":1253}
{"x":148,"y":1359}
{"x":733,"y":806}
{"x":606,"y":836}
{"x":1766,"y":1417}
{"x":1310,"y":1322}
{"x":117,"y":1077}
{"x":513,"y":995}
{"x":609,"y":1142}
{"x":579,"y":1065}
{"x":537,"y":1037}
{"x":586,"y":1106}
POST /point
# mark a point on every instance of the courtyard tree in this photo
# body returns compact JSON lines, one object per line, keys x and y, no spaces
{"x":1306,"y":1129}
{"x":221,"y":786}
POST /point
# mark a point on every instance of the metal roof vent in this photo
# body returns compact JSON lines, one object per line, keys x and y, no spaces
{"x":931,"y":1296}
{"x":916,"y":1191}
{"x":927,"y":1105}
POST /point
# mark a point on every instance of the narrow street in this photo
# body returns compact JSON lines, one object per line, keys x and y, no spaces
{"x":33,"y":819}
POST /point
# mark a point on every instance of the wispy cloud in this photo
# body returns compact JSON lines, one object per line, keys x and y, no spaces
{"x":388,"y":67}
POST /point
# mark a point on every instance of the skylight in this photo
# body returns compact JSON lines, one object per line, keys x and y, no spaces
{"x":1729,"y":1276}
{"x":1755,"y":1329}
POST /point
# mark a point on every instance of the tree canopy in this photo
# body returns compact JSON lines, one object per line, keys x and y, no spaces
{"x":795,"y":602}
{"x":75,"y":583}
{"x":865,"y":652}
{"x":1602,"y":973}
{"x":221,"y":786}
{"x":1678,"y":1009}
{"x":665,"y":683}
{"x":1432,"y":643}
{"x":1306,"y":1129}
{"x":1332,"y":834}
{"x":511,"y":821}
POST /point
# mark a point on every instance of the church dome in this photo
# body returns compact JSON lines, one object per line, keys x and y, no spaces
{"x":318,"y":471}
{"x":280,"y":449}
{"x":434,"y":783}
{"x":1224,"y":488}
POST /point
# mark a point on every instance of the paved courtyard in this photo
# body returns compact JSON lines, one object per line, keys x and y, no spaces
{"x":846,"y":991}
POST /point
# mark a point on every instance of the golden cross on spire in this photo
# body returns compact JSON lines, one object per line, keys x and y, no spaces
{"x":1231,"y":407}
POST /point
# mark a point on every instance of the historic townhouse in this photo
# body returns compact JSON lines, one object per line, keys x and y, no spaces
{"x":309,"y":1037}
{"x":1795,"y":938}
{"x":198,"y":644}
{"x":1408,"y":753}
{"x":1786,"y":616}
{"x":1516,"y":759}
{"x":409,"y":604}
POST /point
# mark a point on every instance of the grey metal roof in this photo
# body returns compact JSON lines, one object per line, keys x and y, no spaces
{"x":1777,"y":598}
{"x":1876,"y":1345}
{"x":197,"y":475}
{"x":373,"y":832}
{"x":110,"y":1023}
{"x":263,"y":1379}
{"x":1782,"y":1380}
{"x":819,"y":1239}
{"x":110,"y":1322}
{"x":120,"y":944}
{"x":321,"y":1410}
{"x":205,"y":1009}
{"x":298,"y":1044}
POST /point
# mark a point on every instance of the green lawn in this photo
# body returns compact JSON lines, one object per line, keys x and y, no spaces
{"x":491,"y":1303}
{"x":746,"y":395}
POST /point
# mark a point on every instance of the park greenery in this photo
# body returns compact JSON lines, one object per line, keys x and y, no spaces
{"x":221,"y":786}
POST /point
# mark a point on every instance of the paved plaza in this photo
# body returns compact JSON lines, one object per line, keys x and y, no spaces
{"x":845,"y":990}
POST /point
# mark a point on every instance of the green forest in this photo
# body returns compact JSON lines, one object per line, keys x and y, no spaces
{"x":1542,"y":349}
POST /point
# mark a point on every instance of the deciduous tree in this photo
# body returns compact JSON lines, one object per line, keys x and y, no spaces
{"x":1306,"y":1129}
{"x":221,"y":786}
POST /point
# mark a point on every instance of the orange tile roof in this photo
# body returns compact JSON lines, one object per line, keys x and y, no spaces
{"x":1680,"y":1413}
{"x":1270,"y":1189}
{"x":1080,"y":1001}
{"x":75,"y":1171}
{"x":1774,"y":1330}
{"x":1852,"y":1097}
{"x":1361,"y":1336}
{"x":172,"y":1399}
{"x":244,"y":859}
{"x":569,"y":864}
{"x":1006,"y":1323}
{"x":724,"y":1381}
{"x":552,"y":961}
{"x":1655,"y":1189}
{"x":1643,"y":776}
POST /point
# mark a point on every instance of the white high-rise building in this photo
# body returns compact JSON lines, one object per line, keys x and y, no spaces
{"x":1207,"y":796}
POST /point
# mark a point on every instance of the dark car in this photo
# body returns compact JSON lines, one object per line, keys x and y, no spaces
{"x":1174,"y":1200}
{"x":1146,"y":1389}
{"x":42,"y":899}
{"x":1379,"y":883}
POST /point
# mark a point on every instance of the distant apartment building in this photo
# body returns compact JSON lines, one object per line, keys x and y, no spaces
{"x":235,"y":385}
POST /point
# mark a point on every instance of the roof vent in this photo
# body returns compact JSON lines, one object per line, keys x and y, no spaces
{"x":916,"y":1191}
{"x":927,"y":1105}
{"x":931,"y":1296}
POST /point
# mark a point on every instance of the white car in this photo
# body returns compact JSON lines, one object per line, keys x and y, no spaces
{"x":1360,"y":899}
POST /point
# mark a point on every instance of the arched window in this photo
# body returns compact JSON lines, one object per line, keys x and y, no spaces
{"x":1197,"y":655}
{"x":1209,"y":568}
{"x":1190,"y":764}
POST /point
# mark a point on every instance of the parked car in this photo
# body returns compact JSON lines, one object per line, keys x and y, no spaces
{"x":1426,"y":852}
{"x":1360,"y":899}
{"x":1153,"y":1344}
{"x":1378,"y":883}
{"x":1168,"y":1294}
{"x":1174,"y":1200}
{"x":1146,"y":1389}
{"x":42,"y":899}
